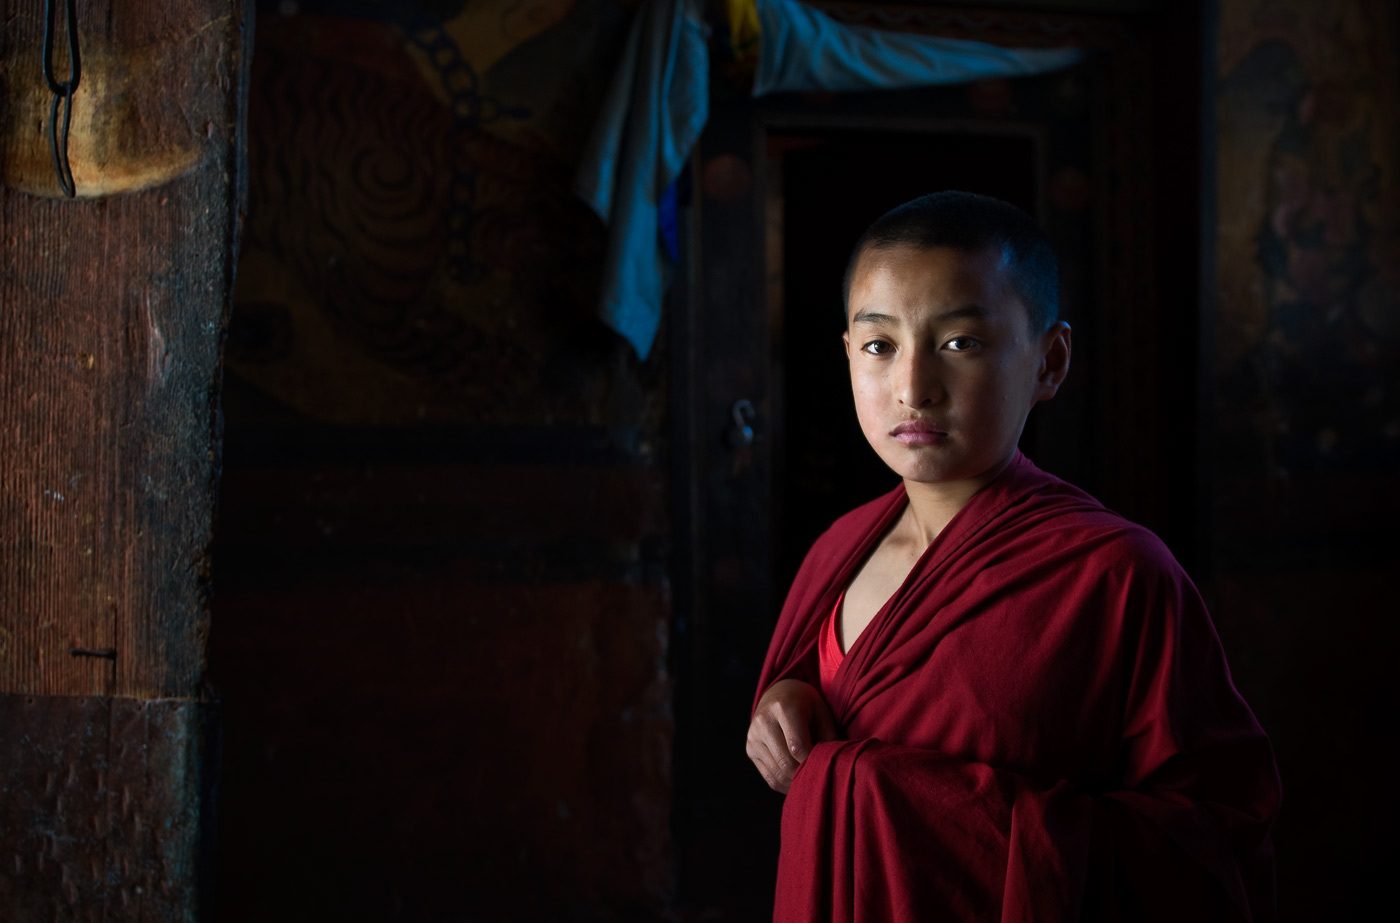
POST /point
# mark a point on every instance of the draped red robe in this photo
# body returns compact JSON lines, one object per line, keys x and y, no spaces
{"x":1038,"y":726}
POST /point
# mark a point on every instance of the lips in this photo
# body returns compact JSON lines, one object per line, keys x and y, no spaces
{"x":918,"y":432}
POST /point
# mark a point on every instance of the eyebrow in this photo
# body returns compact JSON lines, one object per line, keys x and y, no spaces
{"x":875,"y":317}
{"x":872,"y":317}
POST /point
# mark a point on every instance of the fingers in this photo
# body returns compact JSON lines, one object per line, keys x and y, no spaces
{"x":796,"y":731}
{"x":765,"y":762}
{"x":781,"y":732}
{"x":767,"y":747}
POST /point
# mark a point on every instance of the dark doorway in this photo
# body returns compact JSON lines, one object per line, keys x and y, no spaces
{"x":832,"y":185}
{"x":758,"y":318}
{"x":825,"y":179}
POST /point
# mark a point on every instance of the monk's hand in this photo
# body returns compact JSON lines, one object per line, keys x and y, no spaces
{"x":791,"y":716}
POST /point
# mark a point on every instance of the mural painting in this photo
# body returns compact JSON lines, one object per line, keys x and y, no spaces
{"x":1307,"y":337}
{"x":1306,"y":417}
{"x":413,"y":251}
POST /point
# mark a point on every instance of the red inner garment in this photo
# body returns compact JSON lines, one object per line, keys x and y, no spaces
{"x":829,"y":652}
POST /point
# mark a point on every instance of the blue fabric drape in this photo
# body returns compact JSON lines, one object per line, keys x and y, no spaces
{"x":658,"y":102}
{"x":651,"y":118}
{"x":805,"y":50}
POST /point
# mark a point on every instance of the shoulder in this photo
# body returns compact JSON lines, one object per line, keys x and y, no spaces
{"x":1058,"y":518}
{"x":1107,"y":543}
{"x":1129,"y":571}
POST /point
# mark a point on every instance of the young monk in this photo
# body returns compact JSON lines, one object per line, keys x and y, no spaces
{"x":988,"y":697}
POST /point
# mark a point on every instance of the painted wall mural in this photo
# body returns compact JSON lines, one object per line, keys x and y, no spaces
{"x":1307,"y":335}
{"x":441,"y":462}
{"x":1306,"y":428}
{"x":413,"y":253}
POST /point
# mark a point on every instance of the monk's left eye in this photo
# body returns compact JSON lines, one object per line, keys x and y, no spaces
{"x":961,"y":344}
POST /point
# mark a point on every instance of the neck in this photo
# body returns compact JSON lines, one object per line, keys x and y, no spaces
{"x":933,"y":506}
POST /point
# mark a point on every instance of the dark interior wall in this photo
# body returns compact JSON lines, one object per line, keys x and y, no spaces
{"x":1304,"y":399}
{"x":440,"y":634}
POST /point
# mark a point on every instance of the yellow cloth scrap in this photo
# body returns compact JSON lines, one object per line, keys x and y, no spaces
{"x":744,"y":30}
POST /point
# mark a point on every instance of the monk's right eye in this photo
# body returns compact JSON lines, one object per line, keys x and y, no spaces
{"x":877,"y":348}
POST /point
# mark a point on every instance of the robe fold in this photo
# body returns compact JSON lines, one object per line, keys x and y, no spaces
{"x":1039,"y":725}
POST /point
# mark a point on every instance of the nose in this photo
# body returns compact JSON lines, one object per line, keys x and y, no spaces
{"x":919,"y":380}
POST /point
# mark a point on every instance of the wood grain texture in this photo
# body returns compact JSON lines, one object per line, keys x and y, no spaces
{"x":101,"y":808}
{"x":111,"y":318}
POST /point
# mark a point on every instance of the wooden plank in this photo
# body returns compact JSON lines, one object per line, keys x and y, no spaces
{"x":100,"y":808}
{"x":416,"y":506}
{"x":110,"y":325}
{"x":395,"y":747}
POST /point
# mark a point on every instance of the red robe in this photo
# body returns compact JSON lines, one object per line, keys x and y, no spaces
{"x":1038,"y":726}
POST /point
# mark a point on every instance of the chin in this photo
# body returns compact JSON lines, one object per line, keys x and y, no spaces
{"x":936,"y":465}
{"x":923,"y":470}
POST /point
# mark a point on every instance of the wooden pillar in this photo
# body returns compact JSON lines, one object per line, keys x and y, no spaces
{"x":112,"y":312}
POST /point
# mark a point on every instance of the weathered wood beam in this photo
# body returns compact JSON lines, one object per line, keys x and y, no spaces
{"x":113,"y":308}
{"x":111,"y":317}
{"x":102,"y":806}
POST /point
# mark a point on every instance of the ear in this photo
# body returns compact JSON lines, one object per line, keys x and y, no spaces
{"x":1054,"y":360}
{"x":846,"y":339}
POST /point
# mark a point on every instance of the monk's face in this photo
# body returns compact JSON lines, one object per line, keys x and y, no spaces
{"x":944,"y":364}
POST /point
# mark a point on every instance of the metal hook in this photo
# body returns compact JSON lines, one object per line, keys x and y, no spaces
{"x":62,"y":90}
{"x":739,"y":435}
